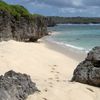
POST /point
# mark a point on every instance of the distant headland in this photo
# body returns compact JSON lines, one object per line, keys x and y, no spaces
{"x":54,"y":20}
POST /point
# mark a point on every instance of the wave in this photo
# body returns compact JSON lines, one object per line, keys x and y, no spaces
{"x":67,"y":46}
{"x":72,"y":46}
{"x":53,"y":33}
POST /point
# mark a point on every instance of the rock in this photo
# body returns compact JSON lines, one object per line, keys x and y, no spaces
{"x":16,"y":86}
{"x":88,"y":71}
{"x":50,"y":22}
{"x":21,"y":29}
{"x":94,"y":56}
{"x":33,"y":39}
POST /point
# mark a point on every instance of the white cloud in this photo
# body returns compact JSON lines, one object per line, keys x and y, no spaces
{"x":65,"y":7}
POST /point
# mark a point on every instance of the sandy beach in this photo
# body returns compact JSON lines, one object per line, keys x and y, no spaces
{"x":48,"y":68}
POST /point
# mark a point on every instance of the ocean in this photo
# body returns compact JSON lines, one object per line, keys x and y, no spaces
{"x":77,"y":36}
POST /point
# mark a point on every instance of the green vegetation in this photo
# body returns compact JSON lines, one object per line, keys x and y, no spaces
{"x":4,"y":6}
{"x":37,"y":15}
{"x":17,"y":11}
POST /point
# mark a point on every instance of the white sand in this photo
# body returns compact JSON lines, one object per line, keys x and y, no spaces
{"x":50,"y":70}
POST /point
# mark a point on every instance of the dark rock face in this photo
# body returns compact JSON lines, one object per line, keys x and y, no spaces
{"x":88,"y":71}
{"x":50,"y":22}
{"x":22,"y":29}
{"x":16,"y":86}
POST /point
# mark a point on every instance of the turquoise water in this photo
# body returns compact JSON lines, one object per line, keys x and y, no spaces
{"x":77,"y":36}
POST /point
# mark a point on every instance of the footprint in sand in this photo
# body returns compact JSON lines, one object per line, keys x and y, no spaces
{"x":44,"y":98}
{"x":45,"y":80}
{"x":46,"y":90}
{"x":50,"y":78}
{"x":53,"y":68}
{"x":51,"y":86}
{"x":52,"y":71}
{"x":58,"y":80}
{"x":58,"y":72}
{"x":50,"y":83}
{"x":55,"y":65}
{"x":56,"y":77}
{"x":2,"y":56}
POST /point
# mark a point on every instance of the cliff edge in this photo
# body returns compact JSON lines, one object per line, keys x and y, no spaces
{"x":18,"y":24}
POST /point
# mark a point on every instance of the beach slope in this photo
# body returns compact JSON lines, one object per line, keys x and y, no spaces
{"x":49,"y":69}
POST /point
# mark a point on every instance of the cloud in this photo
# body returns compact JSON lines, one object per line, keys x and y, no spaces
{"x":58,"y":3}
{"x":66,"y":3}
{"x":62,"y":7}
{"x":91,"y":2}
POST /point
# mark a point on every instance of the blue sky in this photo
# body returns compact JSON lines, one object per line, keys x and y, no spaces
{"x":72,"y":8}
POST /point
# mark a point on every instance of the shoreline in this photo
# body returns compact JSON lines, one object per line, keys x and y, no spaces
{"x":49,"y":69}
{"x":73,"y":53}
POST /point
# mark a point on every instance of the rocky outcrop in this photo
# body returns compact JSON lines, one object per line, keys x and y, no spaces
{"x":50,"y":22}
{"x":88,"y":71}
{"x":16,"y":86}
{"x":22,"y":29}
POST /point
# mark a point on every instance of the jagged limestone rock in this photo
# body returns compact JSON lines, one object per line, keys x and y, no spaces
{"x":16,"y":86}
{"x":22,"y":29}
{"x":88,"y":71}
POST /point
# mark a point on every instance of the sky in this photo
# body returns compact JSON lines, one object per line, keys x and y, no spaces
{"x":68,"y":8}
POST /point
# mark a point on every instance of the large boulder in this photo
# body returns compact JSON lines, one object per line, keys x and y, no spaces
{"x":88,"y":71}
{"x":16,"y":86}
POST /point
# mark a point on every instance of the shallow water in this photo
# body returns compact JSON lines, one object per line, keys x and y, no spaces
{"x":78,"y":36}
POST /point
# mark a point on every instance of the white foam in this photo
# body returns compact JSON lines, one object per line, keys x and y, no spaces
{"x":71,"y":47}
{"x":54,"y":33}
